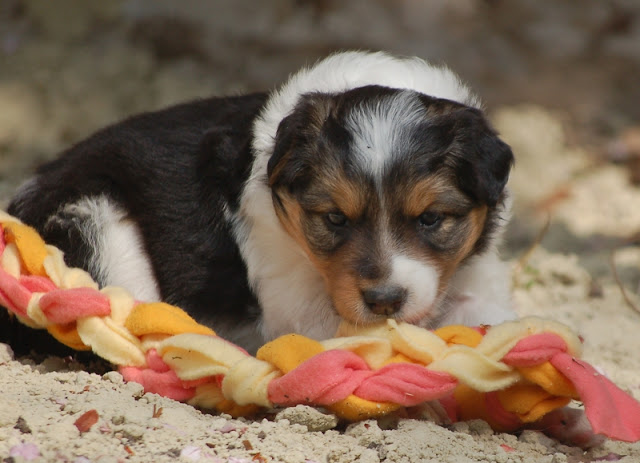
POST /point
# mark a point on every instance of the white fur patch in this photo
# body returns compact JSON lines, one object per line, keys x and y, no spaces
{"x":479,"y":293}
{"x":119,"y":257}
{"x":291,"y":292}
{"x":378,"y":134}
{"x":421,"y":282}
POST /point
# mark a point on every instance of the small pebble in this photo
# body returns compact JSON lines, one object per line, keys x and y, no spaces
{"x":313,"y":419}
{"x":480,"y":428}
{"x":6,"y":353}
{"x":114,"y":377}
{"x":367,"y":432}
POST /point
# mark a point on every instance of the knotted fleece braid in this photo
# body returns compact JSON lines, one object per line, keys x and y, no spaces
{"x":509,"y":374}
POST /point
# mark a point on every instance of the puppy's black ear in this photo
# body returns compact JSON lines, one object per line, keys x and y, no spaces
{"x":283,"y":167}
{"x":297,"y":138}
{"x":482,"y":160}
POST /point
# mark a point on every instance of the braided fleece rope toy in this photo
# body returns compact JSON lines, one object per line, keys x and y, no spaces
{"x":509,"y":374}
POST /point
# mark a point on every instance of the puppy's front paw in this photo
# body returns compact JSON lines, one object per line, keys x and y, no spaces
{"x":571,"y":427}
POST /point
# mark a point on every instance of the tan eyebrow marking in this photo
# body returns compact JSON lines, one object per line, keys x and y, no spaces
{"x":424,"y":193}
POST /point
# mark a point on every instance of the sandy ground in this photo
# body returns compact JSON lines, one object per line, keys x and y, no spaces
{"x":69,"y":69}
{"x":42,"y":402}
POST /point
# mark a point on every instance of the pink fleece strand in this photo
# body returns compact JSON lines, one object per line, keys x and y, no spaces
{"x":157,"y":377}
{"x":333,"y":375}
{"x":13,"y":295}
{"x":535,"y":349}
{"x":502,"y":417}
{"x":610,"y":411}
{"x":323,"y":379}
{"x":37,"y":284}
{"x":406,"y":384}
{"x":166,"y":384}
{"x":67,"y":305}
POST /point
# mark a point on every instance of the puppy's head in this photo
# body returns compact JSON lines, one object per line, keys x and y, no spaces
{"x":388,"y":192}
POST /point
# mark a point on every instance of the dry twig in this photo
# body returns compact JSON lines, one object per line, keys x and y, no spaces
{"x":616,"y":277}
{"x":524,"y":259}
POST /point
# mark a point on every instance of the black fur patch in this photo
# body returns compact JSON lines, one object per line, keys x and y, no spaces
{"x":172,"y":171}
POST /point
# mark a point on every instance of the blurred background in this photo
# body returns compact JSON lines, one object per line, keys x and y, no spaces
{"x":560,"y":80}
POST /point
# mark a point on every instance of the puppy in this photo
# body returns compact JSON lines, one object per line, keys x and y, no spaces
{"x":366,"y":187}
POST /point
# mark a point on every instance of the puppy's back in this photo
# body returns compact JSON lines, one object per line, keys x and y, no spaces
{"x":141,"y":204}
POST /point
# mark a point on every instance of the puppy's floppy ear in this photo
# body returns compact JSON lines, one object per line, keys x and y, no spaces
{"x":287,"y":137}
{"x":297,"y":136}
{"x":482,"y":161}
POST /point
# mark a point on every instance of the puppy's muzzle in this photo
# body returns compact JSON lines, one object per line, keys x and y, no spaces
{"x":385,"y":300}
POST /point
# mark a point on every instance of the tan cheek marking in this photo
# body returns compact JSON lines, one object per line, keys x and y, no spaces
{"x":449,"y":264}
{"x":344,"y":286}
{"x":331,"y":270}
{"x":478,"y":217}
{"x":340,"y":283}
{"x":291,"y":220}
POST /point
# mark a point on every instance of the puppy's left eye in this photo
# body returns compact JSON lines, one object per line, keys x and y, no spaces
{"x":337,"y":219}
{"x":430,"y":219}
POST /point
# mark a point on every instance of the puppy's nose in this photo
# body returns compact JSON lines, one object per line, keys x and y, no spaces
{"x":385,"y":300}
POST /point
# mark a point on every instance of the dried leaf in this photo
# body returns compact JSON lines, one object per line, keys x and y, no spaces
{"x":247,"y":445}
{"x":22,"y":426}
{"x":87,"y":420}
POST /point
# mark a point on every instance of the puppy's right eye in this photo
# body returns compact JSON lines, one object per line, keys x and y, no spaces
{"x":430,"y":219}
{"x":337,"y":219}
